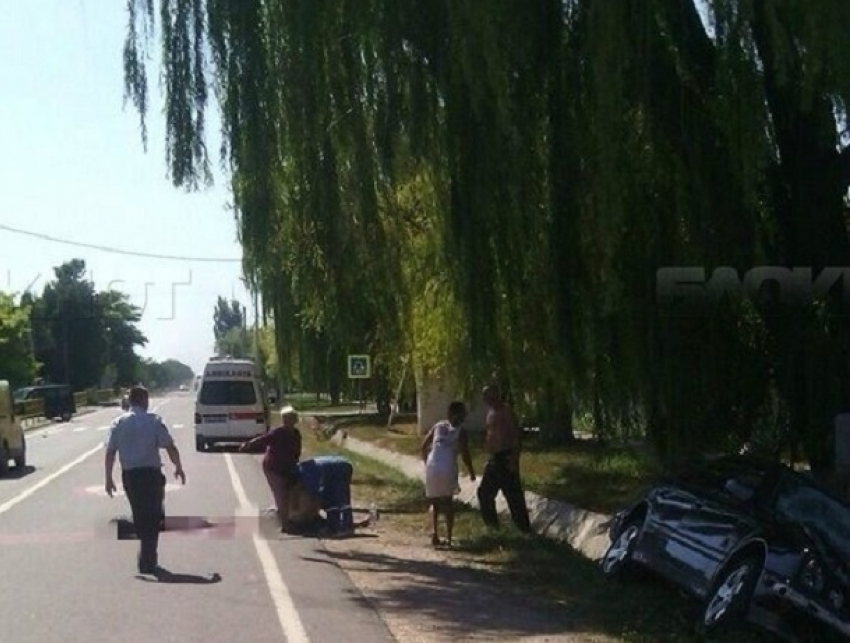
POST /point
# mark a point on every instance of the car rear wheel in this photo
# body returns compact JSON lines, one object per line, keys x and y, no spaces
{"x":200,"y":444}
{"x":618,"y":557}
{"x":730,"y":596}
{"x":21,"y":460}
{"x":4,"y":460}
{"x":66,"y":416}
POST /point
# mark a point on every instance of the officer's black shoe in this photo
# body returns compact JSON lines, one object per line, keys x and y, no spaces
{"x":147,"y":565}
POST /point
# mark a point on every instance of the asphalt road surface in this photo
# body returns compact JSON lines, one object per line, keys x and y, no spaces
{"x":65,"y":576}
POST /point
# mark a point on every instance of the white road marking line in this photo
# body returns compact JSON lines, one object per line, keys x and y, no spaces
{"x":291,"y":623}
{"x":103,"y":428}
{"x":178,"y":426}
{"x":26,"y":493}
{"x":47,"y":480}
{"x":80,"y":429}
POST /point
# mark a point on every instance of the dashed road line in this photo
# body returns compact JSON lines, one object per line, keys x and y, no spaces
{"x":26,"y":493}
{"x":47,"y":480}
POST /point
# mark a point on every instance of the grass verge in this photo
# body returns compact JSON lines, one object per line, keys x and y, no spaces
{"x":552,"y":575}
{"x":584,"y":474}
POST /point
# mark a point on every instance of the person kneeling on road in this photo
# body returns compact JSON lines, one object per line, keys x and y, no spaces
{"x":324,"y":484}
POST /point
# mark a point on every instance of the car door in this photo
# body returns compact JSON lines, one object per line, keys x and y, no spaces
{"x":714,"y":527}
{"x":665,"y":545}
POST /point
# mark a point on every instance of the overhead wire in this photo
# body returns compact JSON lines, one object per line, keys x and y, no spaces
{"x":114,"y":250}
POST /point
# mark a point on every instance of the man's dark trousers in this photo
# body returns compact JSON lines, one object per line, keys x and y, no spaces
{"x":499,"y":477}
{"x":145,"y":488}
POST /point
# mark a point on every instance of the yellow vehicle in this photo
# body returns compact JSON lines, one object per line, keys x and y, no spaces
{"x":13,"y":445}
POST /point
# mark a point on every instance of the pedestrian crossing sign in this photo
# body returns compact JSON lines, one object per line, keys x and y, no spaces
{"x":359,"y":367}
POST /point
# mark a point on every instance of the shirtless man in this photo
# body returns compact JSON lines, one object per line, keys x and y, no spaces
{"x":501,"y":473}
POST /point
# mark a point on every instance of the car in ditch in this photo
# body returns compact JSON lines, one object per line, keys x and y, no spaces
{"x":751,"y":540}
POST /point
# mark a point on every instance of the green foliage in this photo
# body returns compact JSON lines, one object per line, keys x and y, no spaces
{"x":491,"y":188}
{"x":267,"y":353}
{"x":227,"y":316}
{"x":78,"y":332}
{"x":17,"y":364}
{"x":119,"y":319}
{"x":237,"y":343}
{"x":164,"y":375}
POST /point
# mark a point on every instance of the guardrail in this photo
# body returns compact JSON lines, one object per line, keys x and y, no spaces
{"x":30,"y":412}
{"x":29,"y":409}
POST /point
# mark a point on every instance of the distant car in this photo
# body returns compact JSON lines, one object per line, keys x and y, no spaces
{"x":183,"y":387}
{"x":58,"y":399}
{"x":750,"y":540}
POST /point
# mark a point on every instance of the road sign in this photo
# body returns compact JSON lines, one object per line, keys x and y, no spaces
{"x":359,"y":367}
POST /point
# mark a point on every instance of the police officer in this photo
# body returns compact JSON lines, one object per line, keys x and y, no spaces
{"x":136,"y":437}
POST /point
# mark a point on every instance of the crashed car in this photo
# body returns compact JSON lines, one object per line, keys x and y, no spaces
{"x":750,"y":540}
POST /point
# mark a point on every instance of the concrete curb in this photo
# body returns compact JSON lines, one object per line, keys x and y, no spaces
{"x":40,"y":423}
{"x":585,"y":531}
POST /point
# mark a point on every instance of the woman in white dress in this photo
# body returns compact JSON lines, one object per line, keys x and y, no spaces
{"x":439,"y":451}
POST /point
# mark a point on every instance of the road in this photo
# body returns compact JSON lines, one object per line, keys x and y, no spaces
{"x":66,"y":576}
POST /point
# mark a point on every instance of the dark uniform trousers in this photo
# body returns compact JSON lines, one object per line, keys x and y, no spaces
{"x":499,"y":477}
{"x":145,"y":489}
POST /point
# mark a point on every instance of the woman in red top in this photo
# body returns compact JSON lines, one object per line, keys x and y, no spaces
{"x":280,"y":463}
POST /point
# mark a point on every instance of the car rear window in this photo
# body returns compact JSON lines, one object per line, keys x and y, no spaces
{"x":227,"y":393}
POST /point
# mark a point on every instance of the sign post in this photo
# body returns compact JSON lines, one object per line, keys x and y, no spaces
{"x":359,"y":368}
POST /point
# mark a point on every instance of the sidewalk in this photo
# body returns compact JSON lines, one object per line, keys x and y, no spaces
{"x":584,"y":531}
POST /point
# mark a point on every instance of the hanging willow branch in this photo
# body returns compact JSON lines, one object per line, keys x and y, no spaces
{"x":503,"y":179}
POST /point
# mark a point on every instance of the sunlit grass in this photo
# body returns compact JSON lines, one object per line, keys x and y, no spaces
{"x":596,"y":478}
{"x":644,"y":611}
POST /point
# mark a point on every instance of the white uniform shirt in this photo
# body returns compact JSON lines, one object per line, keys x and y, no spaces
{"x":138,"y":436}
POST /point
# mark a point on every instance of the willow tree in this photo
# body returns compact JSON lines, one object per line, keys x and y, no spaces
{"x":492,"y":187}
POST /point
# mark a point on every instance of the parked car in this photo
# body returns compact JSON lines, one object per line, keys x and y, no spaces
{"x":58,"y":399}
{"x":13,"y":444}
{"x":751,"y":540}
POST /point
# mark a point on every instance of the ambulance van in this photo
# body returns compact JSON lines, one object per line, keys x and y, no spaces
{"x":230,"y":406}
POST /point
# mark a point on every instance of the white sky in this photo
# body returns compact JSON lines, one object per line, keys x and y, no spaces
{"x":73,"y":167}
